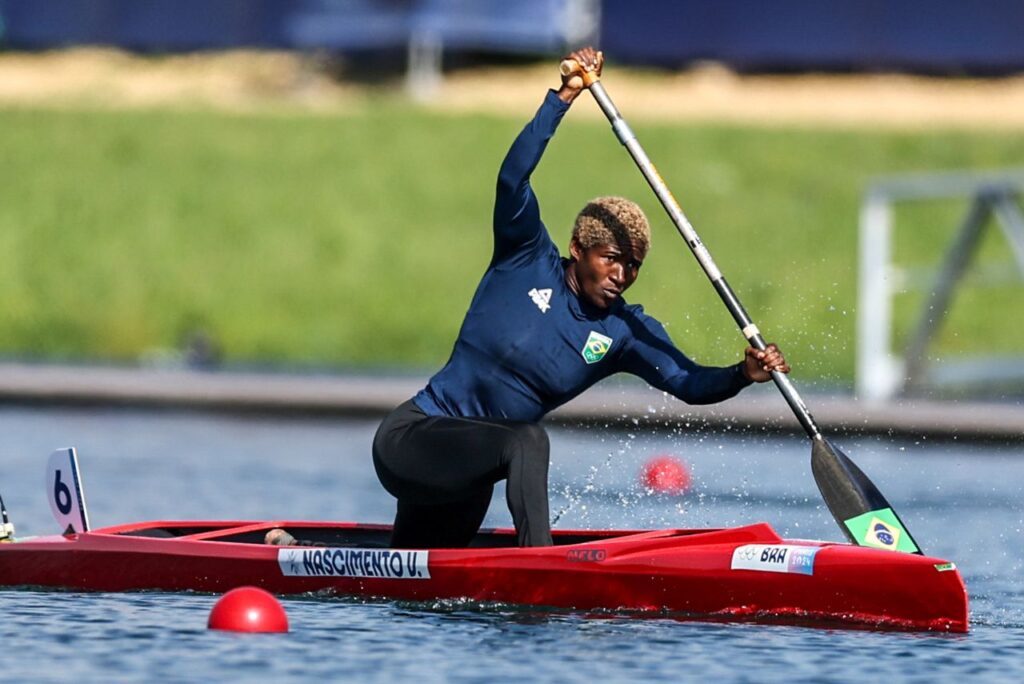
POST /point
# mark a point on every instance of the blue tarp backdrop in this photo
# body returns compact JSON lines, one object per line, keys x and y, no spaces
{"x":525,"y":26}
{"x":945,"y":36}
{"x":926,"y":35}
{"x":148,"y":25}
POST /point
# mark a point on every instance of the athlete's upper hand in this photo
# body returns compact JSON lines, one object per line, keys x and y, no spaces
{"x":590,"y":60}
{"x":758,"y":365}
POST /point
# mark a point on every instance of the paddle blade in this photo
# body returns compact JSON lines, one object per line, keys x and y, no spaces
{"x":863,"y":514}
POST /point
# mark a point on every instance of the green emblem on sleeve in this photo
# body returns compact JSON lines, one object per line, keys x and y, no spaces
{"x":596,"y":347}
{"x":881,"y":530}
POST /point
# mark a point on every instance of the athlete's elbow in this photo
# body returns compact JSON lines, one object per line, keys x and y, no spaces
{"x":691,"y":398}
{"x":509,"y":177}
{"x":698,"y":396}
{"x":704,"y":399}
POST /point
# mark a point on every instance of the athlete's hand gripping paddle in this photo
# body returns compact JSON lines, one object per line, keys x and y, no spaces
{"x":863,"y":514}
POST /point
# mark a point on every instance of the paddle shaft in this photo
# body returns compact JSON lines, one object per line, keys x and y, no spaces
{"x":682,"y":224}
{"x":862,"y":512}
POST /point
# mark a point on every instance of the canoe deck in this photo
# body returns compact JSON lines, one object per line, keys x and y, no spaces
{"x":744,"y":573}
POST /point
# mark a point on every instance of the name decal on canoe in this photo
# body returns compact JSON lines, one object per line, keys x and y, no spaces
{"x":775,"y":558}
{"x":377,"y":563}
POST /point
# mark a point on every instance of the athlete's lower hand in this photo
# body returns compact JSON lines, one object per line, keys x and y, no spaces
{"x":758,"y":365}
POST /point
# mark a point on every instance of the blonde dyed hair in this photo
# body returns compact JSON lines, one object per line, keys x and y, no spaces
{"x":612,"y":220}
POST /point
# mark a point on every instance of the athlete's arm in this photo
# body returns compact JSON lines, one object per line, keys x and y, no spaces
{"x":650,"y":354}
{"x":516,"y":211}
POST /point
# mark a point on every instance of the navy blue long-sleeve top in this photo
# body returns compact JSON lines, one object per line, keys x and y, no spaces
{"x":528,"y":343}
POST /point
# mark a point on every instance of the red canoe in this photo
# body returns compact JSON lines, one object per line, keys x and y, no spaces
{"x":744,"y":573}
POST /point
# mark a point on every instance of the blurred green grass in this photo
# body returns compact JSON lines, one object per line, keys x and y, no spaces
{"x":359,"y":239}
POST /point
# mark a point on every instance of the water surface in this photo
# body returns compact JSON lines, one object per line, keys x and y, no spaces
{"x":962,"y":502}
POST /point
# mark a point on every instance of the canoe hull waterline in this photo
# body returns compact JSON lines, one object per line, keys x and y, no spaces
{"x":744,"y":573}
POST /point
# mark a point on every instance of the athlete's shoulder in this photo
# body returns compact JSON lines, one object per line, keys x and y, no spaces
{"x":632,"y":312}
{"x":636,"y":321}
{"x":540,"y":250}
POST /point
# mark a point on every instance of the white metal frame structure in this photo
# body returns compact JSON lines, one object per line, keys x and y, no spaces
{"x":880,"y":373}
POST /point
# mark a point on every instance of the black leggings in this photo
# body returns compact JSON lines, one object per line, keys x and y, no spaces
{"x":442,"y":471}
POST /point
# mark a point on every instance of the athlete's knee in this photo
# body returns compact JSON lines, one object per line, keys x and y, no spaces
{"x":533,"y":442}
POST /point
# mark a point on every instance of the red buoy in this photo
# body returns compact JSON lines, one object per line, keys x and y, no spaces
{"x":248,"y":609}
{"x":665,"y":475}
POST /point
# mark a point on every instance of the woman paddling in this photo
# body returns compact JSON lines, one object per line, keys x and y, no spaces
{"x":540,"y":330}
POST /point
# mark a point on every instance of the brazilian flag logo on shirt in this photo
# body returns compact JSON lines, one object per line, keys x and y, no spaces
{"x":596,"y":347}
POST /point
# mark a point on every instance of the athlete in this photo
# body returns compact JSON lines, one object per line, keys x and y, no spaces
{"x":540,"y":330}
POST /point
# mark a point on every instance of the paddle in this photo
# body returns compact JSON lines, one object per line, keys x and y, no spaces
{"x":863,"y":514}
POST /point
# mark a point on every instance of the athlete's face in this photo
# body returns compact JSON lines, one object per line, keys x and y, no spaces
{"x":604,"y":272}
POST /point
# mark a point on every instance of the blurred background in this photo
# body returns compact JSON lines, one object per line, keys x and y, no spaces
{"x":281,"y":208}
{"x":306,"y":185}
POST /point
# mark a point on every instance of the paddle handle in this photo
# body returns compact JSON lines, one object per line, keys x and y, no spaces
{"x":568,"y":67}
{"x":693,"y":241}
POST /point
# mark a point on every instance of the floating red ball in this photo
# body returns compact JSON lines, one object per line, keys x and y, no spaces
{"x":248,"y":609}
{"x":665,"y":475}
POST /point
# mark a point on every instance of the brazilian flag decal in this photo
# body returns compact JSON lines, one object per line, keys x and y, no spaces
{"x":596,"y":347}
{"x":881,"y":530}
